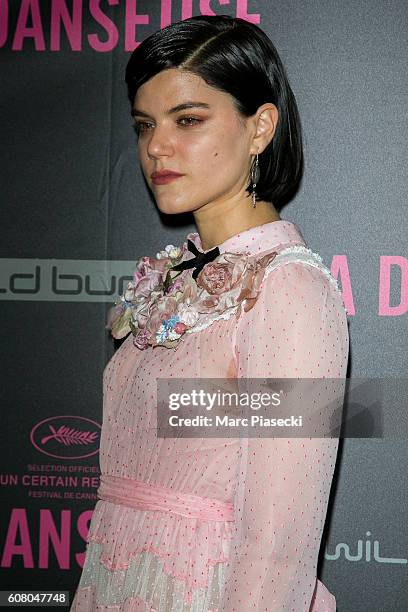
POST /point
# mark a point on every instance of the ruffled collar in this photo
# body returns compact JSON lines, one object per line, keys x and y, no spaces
{"x":160,"y":305}
{"x":265,"y":237}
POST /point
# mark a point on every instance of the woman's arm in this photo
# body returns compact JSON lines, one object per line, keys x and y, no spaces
{"x":297,"y":329}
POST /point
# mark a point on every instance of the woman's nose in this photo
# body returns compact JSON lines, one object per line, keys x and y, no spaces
{"x":159,"y":141}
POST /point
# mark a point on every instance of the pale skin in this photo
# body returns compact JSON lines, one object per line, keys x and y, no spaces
{"x":212,"y":147}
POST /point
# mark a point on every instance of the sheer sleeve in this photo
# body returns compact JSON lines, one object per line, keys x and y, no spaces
{"x":297,"y":328}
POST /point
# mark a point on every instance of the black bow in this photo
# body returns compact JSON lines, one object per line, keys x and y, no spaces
{"x":199,"y":261}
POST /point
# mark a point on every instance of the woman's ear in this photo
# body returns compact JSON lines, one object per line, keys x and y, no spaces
{"x":266,"y":119}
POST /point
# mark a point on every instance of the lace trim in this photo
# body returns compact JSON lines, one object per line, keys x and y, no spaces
{"x":150,"y":549}
{"x":296,"y":253}
{"x":146,"y":577}
{"x":292,"y":253}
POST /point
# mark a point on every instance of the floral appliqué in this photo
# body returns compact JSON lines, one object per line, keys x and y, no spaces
{"x":160,"y":305}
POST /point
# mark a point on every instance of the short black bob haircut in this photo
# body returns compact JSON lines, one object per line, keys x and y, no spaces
{"x":236,"y":57}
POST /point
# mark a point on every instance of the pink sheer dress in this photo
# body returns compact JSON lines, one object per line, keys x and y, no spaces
{"x":220,"y":524}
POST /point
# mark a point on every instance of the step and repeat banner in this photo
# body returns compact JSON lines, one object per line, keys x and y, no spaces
{"x":76,"y":215}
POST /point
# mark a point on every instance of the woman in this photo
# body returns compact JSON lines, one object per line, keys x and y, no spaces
{"x":234,"y":523}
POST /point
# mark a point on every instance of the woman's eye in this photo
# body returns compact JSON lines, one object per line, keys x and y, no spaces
{"x":142,"y":126}
{"x":138,"y":126}
{"x":194,"y":119}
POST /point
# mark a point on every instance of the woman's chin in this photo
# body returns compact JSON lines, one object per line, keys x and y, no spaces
{"x":172,"y":208}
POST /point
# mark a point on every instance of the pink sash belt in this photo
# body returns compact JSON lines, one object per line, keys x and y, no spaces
{"x":144,"y":496}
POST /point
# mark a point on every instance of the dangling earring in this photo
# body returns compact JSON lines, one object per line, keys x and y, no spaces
{"x":255,"y":174}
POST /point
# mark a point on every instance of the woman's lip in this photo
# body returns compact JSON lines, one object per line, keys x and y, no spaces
{"x":165,"y":173}
{"x":165,"y":178}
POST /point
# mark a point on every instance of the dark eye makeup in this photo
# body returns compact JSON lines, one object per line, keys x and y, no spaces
{"x":139,"y":126}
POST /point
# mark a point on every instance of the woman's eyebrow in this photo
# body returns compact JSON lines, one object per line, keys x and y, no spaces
{"x":175,"y":109}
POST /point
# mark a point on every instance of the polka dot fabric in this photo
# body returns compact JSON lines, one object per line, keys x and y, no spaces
{"x":265,"y":558}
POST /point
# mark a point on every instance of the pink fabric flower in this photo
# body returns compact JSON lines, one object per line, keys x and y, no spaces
{"x":113,"y":313}
{"x":163,"y":310}
{"x":141,"y":269}
{"x":143,"y":308}
{"x":215,"y":277}
{"x":147,"y":283}
{"x":188,"y":314}
{"x":252,"y":280}
{"x":156,"y":297}
{"x":176,"y":286}
{"x":147,"y":265}
{"x":141,"y":339}
{"x":180,"y":327}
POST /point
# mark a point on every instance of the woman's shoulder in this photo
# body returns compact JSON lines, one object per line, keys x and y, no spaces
{"x":298,"y":282}
{"x":303,"y":265}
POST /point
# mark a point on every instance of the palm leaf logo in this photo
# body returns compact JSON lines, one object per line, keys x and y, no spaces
{"x":69,"y":436}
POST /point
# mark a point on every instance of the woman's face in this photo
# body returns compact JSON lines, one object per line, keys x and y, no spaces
{"x":208,"y":145}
